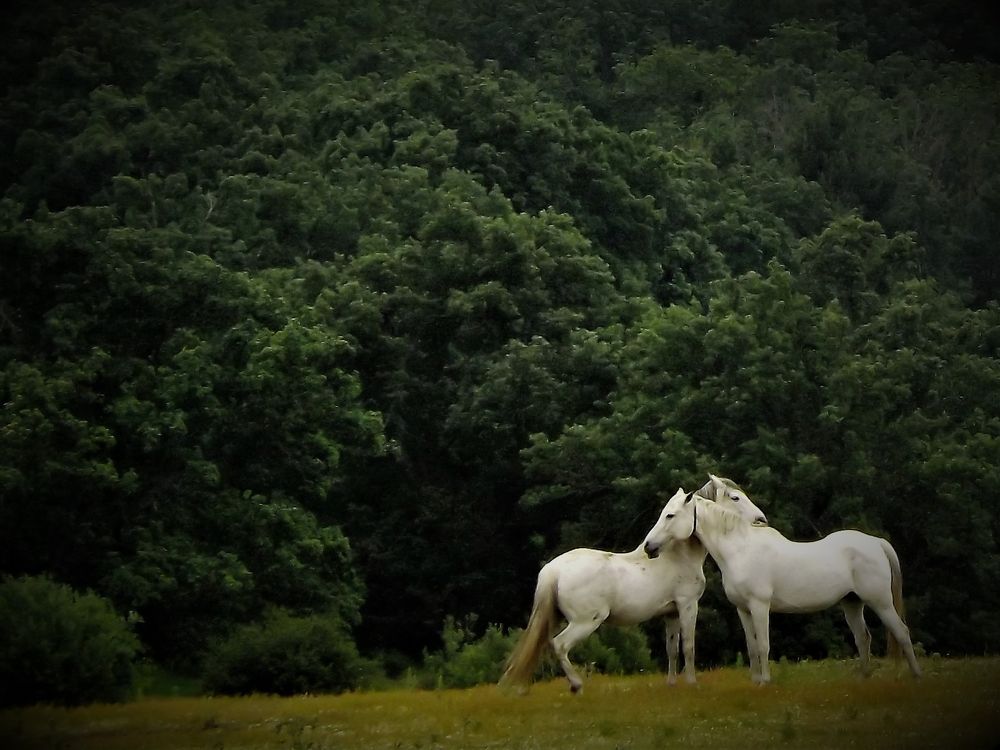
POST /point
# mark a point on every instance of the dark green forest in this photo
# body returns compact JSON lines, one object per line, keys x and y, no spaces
{"x":367,"y":309}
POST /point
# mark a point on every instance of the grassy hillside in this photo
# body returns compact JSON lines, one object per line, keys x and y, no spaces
{"x":813,"y":704}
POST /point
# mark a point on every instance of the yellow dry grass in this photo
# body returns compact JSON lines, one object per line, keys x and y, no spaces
{"x":812,"y":705}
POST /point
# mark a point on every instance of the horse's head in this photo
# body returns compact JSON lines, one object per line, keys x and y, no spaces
{"x":731,"y":496}
{"x":677,"y":521}
{"x":679,"y":518}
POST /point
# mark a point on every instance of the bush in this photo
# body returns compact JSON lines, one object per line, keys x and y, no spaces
{"x":465,"y":660}
{"x":286,"y":655}
{"x":615,"y":650}
{"x":61,"y":646}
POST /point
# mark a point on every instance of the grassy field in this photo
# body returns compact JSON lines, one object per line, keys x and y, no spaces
{"x":811,"y":705}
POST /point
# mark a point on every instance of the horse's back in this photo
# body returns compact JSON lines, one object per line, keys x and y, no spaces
{"x":576,"y":569}
{"x":856,"y":543}
{"x":579,"y":559}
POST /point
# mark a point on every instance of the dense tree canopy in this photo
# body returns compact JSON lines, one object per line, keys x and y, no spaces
{"x":367,"y":309}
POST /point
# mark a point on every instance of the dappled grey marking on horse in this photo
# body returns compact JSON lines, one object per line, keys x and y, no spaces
{"x":590,"y":587}
{"x":762,"y":571}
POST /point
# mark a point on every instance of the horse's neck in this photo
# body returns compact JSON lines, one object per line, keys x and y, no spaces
{"x":722,"y":535}
{"x":691,"y":548}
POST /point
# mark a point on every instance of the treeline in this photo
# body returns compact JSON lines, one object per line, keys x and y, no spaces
{"x":367,"y":309}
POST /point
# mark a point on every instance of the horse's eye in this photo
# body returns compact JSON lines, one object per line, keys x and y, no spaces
{"x":736,"y":498}
{"x":669,"y":516}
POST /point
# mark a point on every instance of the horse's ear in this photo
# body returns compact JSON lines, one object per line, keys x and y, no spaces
{"x":689,"y":496}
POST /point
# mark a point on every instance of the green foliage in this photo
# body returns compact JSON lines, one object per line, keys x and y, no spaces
{"x":60,"y":646}
{"x":616,"y":650}
{"x":466,"y":659}
{"x":469,"y":658}
{"x":286,"y":655}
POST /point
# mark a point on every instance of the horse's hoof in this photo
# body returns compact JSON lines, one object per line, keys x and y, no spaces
{"x":575,"y":688}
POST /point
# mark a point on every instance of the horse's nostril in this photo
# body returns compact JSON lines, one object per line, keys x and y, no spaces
{"x":651,"y":551}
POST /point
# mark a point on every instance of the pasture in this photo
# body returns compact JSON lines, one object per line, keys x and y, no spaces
{"x":811,"y":705}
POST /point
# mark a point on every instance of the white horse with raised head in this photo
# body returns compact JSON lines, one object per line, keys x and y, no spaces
{"x":762,"y":571}
{"x":590,"y":587}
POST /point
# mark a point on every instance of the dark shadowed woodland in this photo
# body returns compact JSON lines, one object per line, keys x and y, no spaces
{"x":332,"y":321}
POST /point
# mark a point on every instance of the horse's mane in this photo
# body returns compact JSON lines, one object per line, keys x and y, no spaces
{"x":728,"y":482}
{"x":732,"y":485}
{"x":728,"y":520}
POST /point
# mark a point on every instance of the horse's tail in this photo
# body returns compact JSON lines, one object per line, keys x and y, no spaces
{"x":536,"y":636}
{"x":892,"y":644}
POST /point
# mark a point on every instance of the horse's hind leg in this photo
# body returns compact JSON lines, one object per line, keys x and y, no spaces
{"x":571,"y":635}
{"x":894,"y":623}
{"x":673,"y":629}
{"x":854,"y":611}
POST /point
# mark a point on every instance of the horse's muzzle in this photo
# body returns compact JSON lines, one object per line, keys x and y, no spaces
{"x":651,"y":550}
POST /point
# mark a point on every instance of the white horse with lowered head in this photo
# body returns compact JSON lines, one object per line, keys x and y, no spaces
{"x":590,"y":587}
{"x":762,"y":571}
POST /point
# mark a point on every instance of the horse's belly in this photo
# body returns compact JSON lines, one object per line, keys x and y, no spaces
{"x":640,"y":603}
{"x":800,"y":607}
{"x":808,"y":599}
{"x":632,"y":613}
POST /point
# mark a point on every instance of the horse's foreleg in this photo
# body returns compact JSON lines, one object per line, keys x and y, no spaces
{"x":748,"y":631}
{"x":571,"y":635}
{"x":673,"y":630}
{"x":689,"y":617}
{"x":854,"y":611}
{"x":760,"y":613}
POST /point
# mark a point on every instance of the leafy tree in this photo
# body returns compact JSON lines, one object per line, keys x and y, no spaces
{"x":403,"y":298}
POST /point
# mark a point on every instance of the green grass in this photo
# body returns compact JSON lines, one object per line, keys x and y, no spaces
{"x":156,"y":682}
{"x":812,"y":705}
